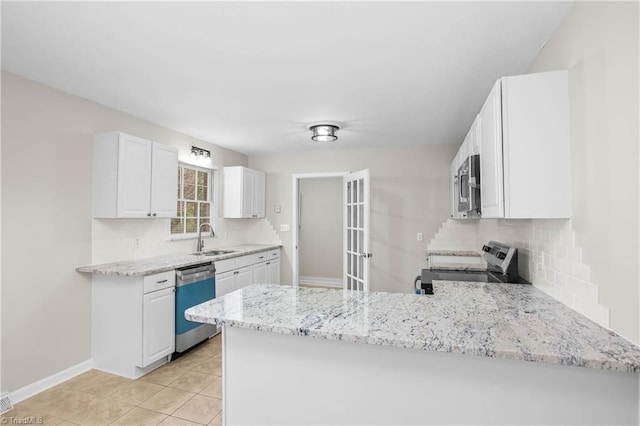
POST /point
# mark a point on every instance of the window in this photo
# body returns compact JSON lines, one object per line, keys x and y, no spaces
{"x":195,"y":200}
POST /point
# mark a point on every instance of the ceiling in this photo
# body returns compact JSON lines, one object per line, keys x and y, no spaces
{"x":251,"y":76}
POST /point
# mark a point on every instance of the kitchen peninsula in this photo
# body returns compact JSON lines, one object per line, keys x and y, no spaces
{"x":473,"y":353}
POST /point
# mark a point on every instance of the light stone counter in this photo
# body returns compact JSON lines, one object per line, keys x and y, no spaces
{"x":154,"y":265}
{"x":515,"y":322}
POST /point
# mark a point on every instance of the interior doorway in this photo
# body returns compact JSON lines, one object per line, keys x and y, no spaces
{"x":318,"y":229}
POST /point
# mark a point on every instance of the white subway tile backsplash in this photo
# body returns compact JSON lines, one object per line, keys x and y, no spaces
{"x":548,"y":258}
{"x":581,"y":271}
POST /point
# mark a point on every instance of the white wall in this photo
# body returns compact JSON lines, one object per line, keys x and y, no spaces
{"x":598,"y":44}
{"x":591,"y":260}
{"x":47,"y":225}
{"x":409,"y":194}
{"x":321,"y":228}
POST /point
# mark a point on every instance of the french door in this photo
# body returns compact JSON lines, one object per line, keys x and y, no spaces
{"x":356,"y":237}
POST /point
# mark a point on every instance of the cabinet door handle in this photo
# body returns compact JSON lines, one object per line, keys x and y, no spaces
{"x":148,"y":214}
{"x":268,"y":263}
{"x":154,"y":214}
{"x":163,"y":281}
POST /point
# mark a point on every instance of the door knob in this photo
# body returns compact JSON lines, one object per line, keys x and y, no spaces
{"x":366,"y":255}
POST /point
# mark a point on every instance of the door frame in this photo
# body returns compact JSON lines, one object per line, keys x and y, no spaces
{"x":295,"y":187}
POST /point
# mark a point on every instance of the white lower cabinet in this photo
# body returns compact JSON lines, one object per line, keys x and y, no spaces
{"x":158,"y":325}
{"x":133,"y":322}
{"x":225,"y":283}
{"x":258,"y":268}
{"x":273,"y":271}
{"x":233,"y":280}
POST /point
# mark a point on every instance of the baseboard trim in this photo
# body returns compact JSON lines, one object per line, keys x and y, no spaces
{"x":51,"y":381}
{"x":333,"y":282}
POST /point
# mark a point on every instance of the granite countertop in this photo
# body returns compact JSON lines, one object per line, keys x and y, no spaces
{"x":453,"y":253}
{"x":517,"y":322}
{"x":154,"y":265}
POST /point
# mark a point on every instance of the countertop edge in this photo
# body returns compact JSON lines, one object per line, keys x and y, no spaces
{"x":472,"y":351}
{"x":109,"y":268}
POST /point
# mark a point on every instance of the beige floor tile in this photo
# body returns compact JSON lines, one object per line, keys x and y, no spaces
{"x":217,"y":420}
{"x":100,"y":411}
{"x":193,"y":381}
{"x":164,"y":375}
{"x":214,"y":389}
{"x":167,"y":400}
{"x":175,"y":421}
{"x":140,"y":417}
{"x":50,"y":420}
{"x":98,"y":383}
{"x":136,"y":392}
{"x":189,"y":361}
{"x":210,"y":349}
{"x":208,"y":366}
{"x":200,"y":409}
{"x":64,"y":404}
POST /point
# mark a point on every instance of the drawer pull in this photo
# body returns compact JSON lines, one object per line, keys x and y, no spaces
{"x":261,"y":257}
{"x":163,"y":281}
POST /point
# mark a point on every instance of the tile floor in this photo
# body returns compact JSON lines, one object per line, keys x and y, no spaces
{"x":187,"y":391}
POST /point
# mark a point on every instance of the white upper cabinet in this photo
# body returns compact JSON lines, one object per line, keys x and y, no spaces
{"x":133,"y":177}
{"x":491,"y":182}
{"x":522,"y":136}
{"x":536,"y":146}
{"x":244,"y":193}
{"x":164,"y":180}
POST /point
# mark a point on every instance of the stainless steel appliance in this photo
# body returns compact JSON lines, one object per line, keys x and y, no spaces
{"x":502,"y":267}
{"x":467,"y":185}
{"x":194,"y":285}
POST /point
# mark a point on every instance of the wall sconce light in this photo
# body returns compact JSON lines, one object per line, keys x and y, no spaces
{"x":200,"y":154}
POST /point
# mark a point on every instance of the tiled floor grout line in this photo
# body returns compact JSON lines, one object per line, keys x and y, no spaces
{"x":85,"y":391}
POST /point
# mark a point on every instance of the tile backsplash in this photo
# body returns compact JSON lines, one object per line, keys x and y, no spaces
{"x":548,"y":256}
{"x":122,"y":239}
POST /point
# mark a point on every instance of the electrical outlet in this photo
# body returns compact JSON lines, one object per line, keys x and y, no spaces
{"x":285,"y":228}
{"x":136,"y":243}
{"x":419,"y":236}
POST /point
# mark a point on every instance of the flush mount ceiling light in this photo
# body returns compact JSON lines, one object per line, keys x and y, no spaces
{"x":324,"y":132}
{"x":200,"y":154}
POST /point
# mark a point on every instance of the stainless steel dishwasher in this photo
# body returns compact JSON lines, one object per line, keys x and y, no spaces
{"x":194,"y":285}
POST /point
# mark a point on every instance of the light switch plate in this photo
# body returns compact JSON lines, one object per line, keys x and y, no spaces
{"x":419,"y":236}
{"x":278,"y":209}
{"x":285,"y":228}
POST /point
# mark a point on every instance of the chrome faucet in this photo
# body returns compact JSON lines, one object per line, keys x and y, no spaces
{"x":200,"y":245}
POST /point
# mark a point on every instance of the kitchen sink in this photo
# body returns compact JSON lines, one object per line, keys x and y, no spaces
{"x":215,"y":252}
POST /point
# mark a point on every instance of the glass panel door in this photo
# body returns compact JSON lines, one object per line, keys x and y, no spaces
{"x":356,"y":243}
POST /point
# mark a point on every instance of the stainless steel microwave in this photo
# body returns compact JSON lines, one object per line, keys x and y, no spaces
{"x":468,"y":187}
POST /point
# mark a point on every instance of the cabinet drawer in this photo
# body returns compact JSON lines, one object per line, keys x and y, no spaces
{"x":243,"y":261}
{"x":263,"y":256}
{"x":223,"y":266}
{"x":159,"y":281}
{"x":273,"y":254}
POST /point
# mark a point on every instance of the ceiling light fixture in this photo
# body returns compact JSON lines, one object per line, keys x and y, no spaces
{"x":325,"y":132}
{"x":200,"y":154}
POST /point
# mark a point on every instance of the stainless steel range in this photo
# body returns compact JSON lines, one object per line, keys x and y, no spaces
{"x":502,"y":267}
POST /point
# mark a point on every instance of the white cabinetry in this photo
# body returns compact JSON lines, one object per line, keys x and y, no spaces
{"x":267,"y":271}
{"x":158,"y":325}
{"x":133,"y":177}
{"x":133,"y":322}
{"x":244,"y":193}
{"x":522,"y":136}
{"x":491,"y":182}
{"x":258,"y":268}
